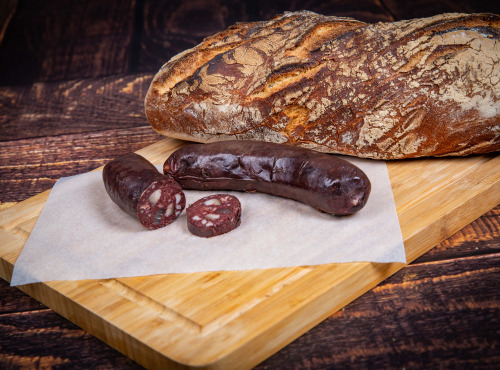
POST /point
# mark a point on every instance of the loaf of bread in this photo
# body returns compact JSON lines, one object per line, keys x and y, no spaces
{"x":413,"y":88}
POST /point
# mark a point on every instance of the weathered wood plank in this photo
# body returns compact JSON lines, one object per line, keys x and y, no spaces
{"x":54,"y":40}
{"x":13,"y":300}
{"x":43,"y":339}
{"x":85,"y":105}
{"x":30,"y":166}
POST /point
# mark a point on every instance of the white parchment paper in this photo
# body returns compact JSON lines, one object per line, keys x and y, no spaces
{"x":82,"y":234}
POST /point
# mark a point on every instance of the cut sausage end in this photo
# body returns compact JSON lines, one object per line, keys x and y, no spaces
{"x":160,"y":204}
{"x":214,"y":215}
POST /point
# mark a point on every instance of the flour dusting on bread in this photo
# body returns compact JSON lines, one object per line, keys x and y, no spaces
{"x":413,"y":88}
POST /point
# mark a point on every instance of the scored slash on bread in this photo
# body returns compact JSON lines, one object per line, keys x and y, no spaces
{"x":413,"y":88}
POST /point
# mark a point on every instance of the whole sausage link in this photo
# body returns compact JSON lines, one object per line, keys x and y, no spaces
{"x":323,"y":181}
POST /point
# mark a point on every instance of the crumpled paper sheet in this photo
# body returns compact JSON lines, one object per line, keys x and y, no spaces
{"x":82,"y":234}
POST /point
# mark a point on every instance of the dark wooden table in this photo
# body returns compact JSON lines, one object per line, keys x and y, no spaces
{"x":73,"y":76}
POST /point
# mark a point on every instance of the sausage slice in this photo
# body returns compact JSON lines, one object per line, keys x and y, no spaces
{"x":214,"y":215}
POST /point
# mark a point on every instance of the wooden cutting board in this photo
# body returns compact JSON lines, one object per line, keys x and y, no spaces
{"x":236,"y":319}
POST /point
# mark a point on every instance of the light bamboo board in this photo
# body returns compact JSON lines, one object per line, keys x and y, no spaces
{"x":236,"y":319}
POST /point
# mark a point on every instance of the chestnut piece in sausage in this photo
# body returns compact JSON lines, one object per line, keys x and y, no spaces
{"x":323,"y":181}
{"x":214,"y":215}
{"x":142,"y":191}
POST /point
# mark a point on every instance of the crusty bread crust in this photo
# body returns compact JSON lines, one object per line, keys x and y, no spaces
{"x":420,"y":87}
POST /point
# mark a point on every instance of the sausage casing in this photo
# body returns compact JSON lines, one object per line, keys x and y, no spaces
{"x":323,"y":181}
{"x":137,"y":187}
